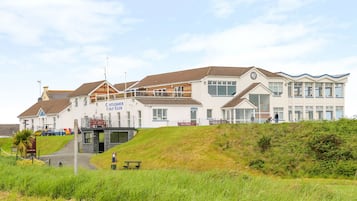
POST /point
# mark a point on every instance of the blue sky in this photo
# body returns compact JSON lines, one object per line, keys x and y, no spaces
{"x":66,"y":43}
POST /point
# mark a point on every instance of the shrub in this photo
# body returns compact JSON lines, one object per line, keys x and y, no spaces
{"x":264,"y":143}
{"x":325,"y":147}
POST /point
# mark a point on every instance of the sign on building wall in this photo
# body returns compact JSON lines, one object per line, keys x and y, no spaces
{"x":116,"y":106}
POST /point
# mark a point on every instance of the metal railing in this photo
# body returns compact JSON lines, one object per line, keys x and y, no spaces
{"x":160,"y":94}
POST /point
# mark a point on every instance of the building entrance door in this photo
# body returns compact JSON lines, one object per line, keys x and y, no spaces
{"x":101,"y":142}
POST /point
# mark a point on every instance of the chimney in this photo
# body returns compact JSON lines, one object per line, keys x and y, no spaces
{"x":44,"y":95}
{"x":45,"y":89}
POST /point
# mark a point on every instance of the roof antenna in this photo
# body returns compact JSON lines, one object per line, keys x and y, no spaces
{"x":105,"y":69}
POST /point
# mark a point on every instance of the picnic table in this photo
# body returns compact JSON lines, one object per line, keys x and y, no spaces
{"x":132,"y":164}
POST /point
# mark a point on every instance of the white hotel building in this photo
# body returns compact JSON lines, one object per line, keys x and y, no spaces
{"x":200,"y":96}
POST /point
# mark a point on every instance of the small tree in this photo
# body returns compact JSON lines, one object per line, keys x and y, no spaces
{"x":22,"y":140}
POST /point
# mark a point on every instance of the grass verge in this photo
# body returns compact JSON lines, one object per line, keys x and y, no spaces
{"x":174,"y":184}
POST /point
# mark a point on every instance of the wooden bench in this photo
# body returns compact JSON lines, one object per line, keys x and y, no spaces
{"x":132,"y":164}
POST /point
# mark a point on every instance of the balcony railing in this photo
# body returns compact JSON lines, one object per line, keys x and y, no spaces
{"x":163,"y":94}
{"x":94,"y":123}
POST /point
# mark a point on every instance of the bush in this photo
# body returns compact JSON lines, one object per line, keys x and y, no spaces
{"x":325,"y":147}
{"x":264,"y":143}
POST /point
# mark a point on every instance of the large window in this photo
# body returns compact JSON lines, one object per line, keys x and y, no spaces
{"x":222,"y":88}
{"x":298,"y":89}
{"x":159,"y":114}
{"x":328,"y":90}
{"x":280,"y":112}
{"x":276,"y":88}
{"x":262,"y":101}
{"x":244,"y":115}
{"x":290,"y":89}
{"x":308,"y":90}
{"x":318,"y":90}
{"x":339,"y":90}
{"x":118,"y":137}
{"x":329,"y":112}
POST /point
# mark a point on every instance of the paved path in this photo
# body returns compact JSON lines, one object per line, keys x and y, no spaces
{"x":66,"y":157}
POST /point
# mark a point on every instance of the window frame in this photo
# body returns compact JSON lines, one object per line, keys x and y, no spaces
{"x":159,"y":114}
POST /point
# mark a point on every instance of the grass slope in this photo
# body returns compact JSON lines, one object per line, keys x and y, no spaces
{"x":45,"y":144}
{"x":171,"y":147}
{"x":235,"y":148}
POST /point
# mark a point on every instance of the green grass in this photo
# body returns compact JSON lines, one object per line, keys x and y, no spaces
{"x":189,"y":148}
{"x":236,"y":148}
{"x":45,"y":144}
{"x":204,"y":163}
{"x":50,"y":144}
{"x":170,"y":185}
{"x":5,"y":144}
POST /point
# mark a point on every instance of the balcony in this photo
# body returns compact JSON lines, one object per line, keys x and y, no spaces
{"x":94,"y":123}
{"x":161,"y":94}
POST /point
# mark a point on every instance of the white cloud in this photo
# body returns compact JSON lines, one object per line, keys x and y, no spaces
{"x":276,"y":9}
{"x":281,"y":9}
{"x":245,"y":38}
{"x":31,"y":22}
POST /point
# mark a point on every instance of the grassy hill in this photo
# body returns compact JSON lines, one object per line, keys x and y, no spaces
{"x":45,"y":144}
{"x":305,"y":149}
{"x":205,"y":163}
